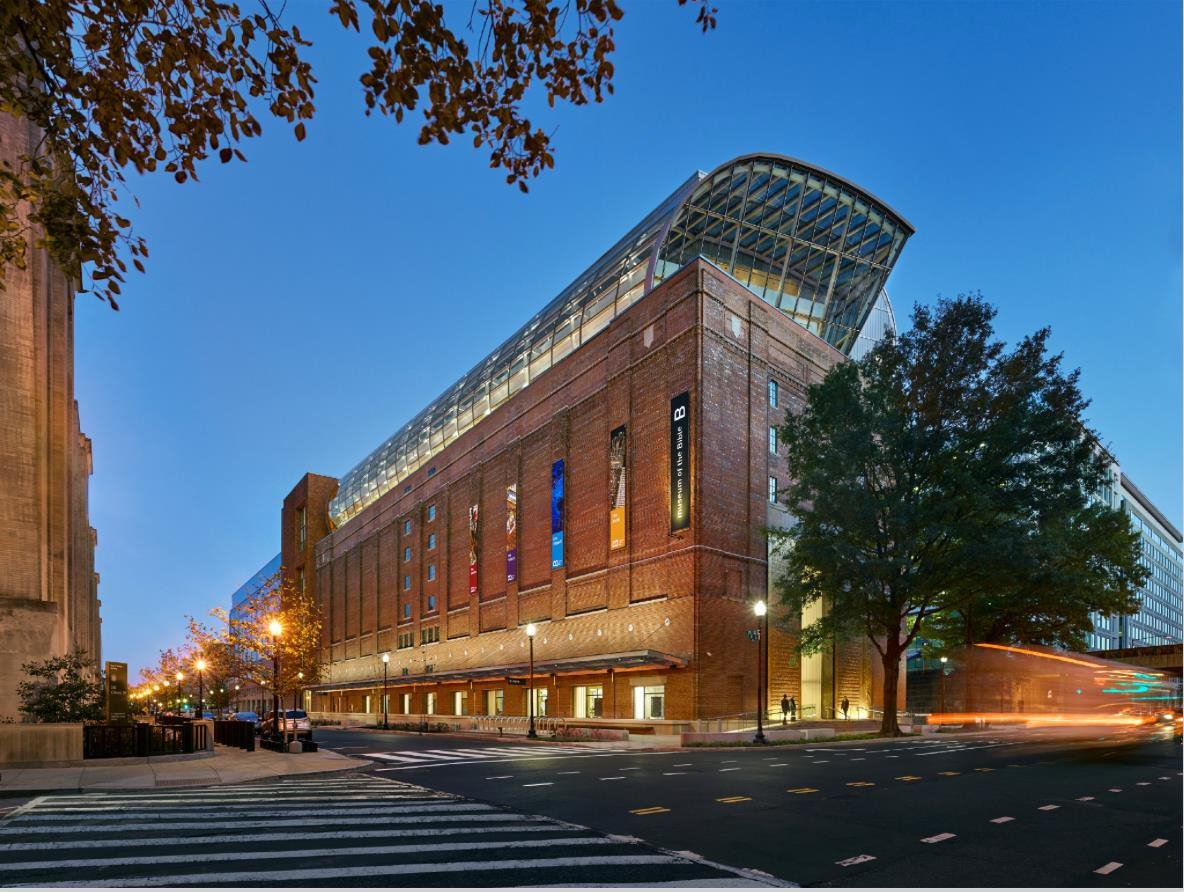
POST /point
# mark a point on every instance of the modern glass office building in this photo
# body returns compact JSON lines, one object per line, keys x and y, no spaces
{"x":800,"y":238}
{"x":1160,"y":615}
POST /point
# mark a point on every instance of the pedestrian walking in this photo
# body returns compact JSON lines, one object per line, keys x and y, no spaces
{"x":784,"y":708}
{"x":846,"y":704}
{"x":793,"y":709}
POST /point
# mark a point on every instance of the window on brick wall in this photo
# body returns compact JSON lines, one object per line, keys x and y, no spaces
{"x":772,"y":488}
{"x":431,"y":512}
{"x":431,"y":572}
{"x":407,"y":553}
{"x":301,"y":529}
{"x":772,"y":440}
{"x":429,"y":635}
{"x":406,"y":611}
{"x":406,"y":528}
{"x":406,"y":583}
{"x":406,"y":639}
{"x":772,"y":393}
{"x":431,"y":541}
{"x":431,"y":602}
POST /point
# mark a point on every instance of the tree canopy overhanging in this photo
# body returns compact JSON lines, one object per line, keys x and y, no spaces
{"x":160,"y":85}
{"x":942,"y":482}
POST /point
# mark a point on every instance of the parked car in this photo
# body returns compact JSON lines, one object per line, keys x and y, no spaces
{"x":247,"y":716}
{"x":291,"y":720}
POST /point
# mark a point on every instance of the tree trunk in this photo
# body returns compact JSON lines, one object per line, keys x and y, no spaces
{"x":891,"y":662}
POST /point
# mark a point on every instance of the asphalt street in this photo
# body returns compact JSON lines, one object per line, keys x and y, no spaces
{"x":1031,"y":808}
{"x":358,"y":830}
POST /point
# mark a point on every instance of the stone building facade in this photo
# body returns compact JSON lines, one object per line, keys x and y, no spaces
{"x":48,"y":585}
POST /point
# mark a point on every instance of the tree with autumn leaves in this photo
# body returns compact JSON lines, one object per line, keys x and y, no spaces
{"x":237,"y":648}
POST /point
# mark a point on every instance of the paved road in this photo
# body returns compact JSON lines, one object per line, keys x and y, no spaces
{"x":340,"y":831}
{"x":1033,"y":808}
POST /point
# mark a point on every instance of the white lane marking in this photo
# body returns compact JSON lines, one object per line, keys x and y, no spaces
{"x":1116,"y":789}
{"x":567,"y":772}
{"x":778,"y":764}
{"x":1048,"y":808}
{"x":391,"y":757}
{"x":858,"y":859}
{"x":821,"y":761}
{"x":737,"y":768}
{"x":1002,"y":820}
{"x":196,"y":840}
{"x":1142,"y":783}
{"x":964,"y":749}
{"x":431,"y":754}
{"x":272,"y":822}
{"x":683,"y":764}
{"x":540,"y":784}
{"x":618,"y":777}
{"x":113,"y":805}
{"x":726,"y":761}
{"x":1085,"y":798}
{"x":1156,"y":843}
{"x":499,"y":777}
{"x":509,"y":758}
{"x":629,"y":769}
{"x":245,"y":877}
{"x":892,"y":757}
{"x":672,"y":773}
{"x":941,"y":837}
{"x":860,"y":759}
{"x":222,"y":815}
{"x":1109,"y":868}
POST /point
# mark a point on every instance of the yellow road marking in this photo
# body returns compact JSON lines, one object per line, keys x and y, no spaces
{"x":909,"y":777}
{"x":984,"y":769}
{"x":861,"y":784}
{"x":949,"y":773}
{"x":732,"y":799}
{"x":802,"y":790}
{"x":652,"y":810}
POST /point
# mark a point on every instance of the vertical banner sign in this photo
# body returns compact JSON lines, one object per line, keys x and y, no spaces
{"x":616,"y":488}
{"x":680,"y":462}
{"x":511,"y":532}
{"x":115,"y":688}
{"x":557,"y":515}
{"x":473,"y":545}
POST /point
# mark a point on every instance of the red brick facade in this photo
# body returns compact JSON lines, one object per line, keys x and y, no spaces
{"x":668,"y":609}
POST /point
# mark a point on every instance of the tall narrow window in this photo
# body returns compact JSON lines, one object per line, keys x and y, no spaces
{"x":431,"y":572}
{"x":431,"y":541}
{"x":301,"y":529}
{"x":772,"y":440}
{"x":772,"y":393}
{"x":406,"y":528}
{"x":772,"y":489}
{"x":431,"y":512}
{"x":407,"y":553}
{"x":407,"y":582}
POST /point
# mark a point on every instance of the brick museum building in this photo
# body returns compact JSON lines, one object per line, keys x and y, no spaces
{"x":607,"y":475}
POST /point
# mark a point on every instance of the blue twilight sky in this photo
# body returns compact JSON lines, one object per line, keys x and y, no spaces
{"x":299,"y":308}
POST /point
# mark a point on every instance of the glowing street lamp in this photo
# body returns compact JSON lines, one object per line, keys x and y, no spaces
{"x":944,"y":660}
{"x":200,"y":665}
{"x":386,"y":662}
{"x":531,"y":631}
{"x":762,"y":612}
{"x":276,"y":630}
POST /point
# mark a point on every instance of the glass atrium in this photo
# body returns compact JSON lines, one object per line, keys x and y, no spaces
{"x":803,"y":240}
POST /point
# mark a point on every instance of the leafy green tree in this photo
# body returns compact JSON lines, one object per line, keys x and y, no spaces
{"x":61,"y":689}
{"x":160,"y":85}
{"x":942,"y":472}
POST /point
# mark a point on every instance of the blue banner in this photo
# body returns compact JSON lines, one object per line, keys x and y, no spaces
{"x":557,"y":515}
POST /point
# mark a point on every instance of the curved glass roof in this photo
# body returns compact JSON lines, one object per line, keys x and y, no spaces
{"x":804,"y":240}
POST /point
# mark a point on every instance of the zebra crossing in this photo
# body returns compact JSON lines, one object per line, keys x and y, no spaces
{"x":401,"y":760}
{"x":356,"y":830}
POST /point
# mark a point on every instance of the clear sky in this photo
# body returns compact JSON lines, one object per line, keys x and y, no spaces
{"x":301,"y":307}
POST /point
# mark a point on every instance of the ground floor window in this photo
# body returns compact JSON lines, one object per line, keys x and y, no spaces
{"x":540,"y":702}
{"x":494,"y":702}
{"x":460,"y":703}
{"x":406,"y":704}
{"x":588,"y":702}
{"x":367,"y":709}
{"x":649,"y":702}
{"x":431,"y":710}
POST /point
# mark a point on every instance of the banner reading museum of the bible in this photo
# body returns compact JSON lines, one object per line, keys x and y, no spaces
{"x":680,"y":462}
{"x":616,"y":488}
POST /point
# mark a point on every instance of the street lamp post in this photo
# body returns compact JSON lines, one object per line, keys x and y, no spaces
{"x":180,"y":677}
{"x":762,"y":612}
{"x":296,"y":693}
{"x":531,"y":630}
{"x":944,"y":660}
{"x":276,"y":630}
{"x":200,"y":665}
{"x":386,"y":662}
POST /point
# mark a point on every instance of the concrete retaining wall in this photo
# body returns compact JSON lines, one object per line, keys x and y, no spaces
{"x":40,"y":746}
{"x":742,"y":737}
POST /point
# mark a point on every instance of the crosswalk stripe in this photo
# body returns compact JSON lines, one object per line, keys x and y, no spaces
{"x":272,"y":821}
{"x":45,"y":815}
{"x":261,"y":855}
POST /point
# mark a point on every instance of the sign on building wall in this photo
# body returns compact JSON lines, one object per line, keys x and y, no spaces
{"x":511,"y":532}
{"x":616,"y":488}
{"x":680,"y":462}
{"x":473,"y":548}
{"x":557,"y":515}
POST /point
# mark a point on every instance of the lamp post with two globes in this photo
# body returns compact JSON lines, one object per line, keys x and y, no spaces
{"x":762,"y":612}
{"x":200,"y":666}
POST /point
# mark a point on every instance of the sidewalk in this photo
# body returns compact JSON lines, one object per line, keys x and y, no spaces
{"x":227,"y":766}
